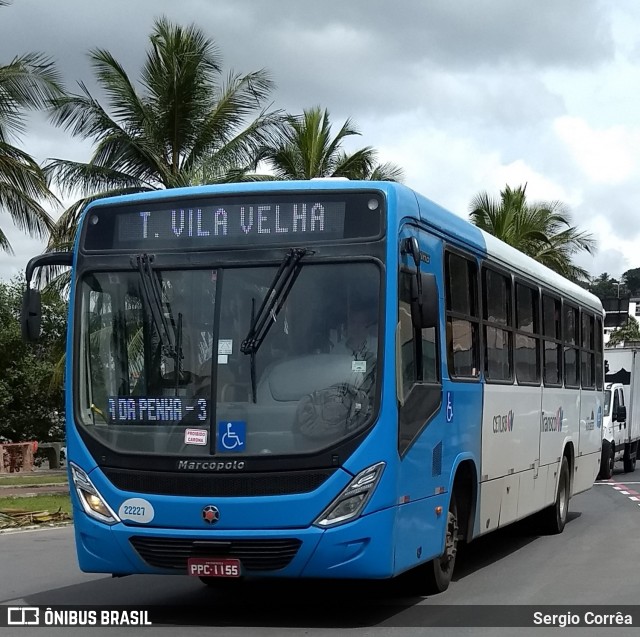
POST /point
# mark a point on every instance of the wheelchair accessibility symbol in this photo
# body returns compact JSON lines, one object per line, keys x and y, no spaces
{"x":232,"y":436}
{"x":449,"y":407}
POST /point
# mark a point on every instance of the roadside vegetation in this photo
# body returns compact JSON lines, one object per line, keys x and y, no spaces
{"x":32,"y":480}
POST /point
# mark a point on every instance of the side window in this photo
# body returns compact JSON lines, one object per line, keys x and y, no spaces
{"x":418,"y":348}
{"x":552,"y":336}
{"x":599,"y":353}
{"x":587,"y":353}
{"x":419,"y":390}
{"x":498,"y":335}
{"x":527,"y":350}
{"x":463,"y":346}
{"x":616,"y":403}
{"x":571,"y":328}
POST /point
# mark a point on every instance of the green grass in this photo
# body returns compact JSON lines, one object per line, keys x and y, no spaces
{"x":34,"y":479}
{"x":49,"y":502}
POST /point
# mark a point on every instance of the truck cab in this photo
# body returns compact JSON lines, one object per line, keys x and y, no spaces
{"x":614,"y":429}
{"x":621,"y":418}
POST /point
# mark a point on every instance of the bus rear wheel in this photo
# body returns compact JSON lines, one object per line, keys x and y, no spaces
{"x":554,"y":517}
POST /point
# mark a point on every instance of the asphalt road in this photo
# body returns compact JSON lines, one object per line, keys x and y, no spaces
{"x":594,"y":562}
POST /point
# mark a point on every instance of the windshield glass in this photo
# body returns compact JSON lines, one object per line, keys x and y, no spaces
{"x":607,"y":402}
{"x":151,"y":381}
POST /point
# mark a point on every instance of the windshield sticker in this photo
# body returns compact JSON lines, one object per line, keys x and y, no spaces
{"x":359,"y":366}
{"x":225,"y":346}
{"x":195,"y":436}
{"x":232,"y":436}
{"x":136,"y":510}
{"x":223,"y":359}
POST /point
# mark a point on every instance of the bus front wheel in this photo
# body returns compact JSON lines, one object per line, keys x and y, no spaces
{"x":438,"y":572}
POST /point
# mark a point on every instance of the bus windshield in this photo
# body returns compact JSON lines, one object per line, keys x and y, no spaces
{"x":158,"y":361}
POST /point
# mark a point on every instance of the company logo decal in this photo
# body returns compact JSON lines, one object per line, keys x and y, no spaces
{"x":599,"y":417}
{"x":210,"y":465}
{"x":590,"y":422}
{"x":552,"y":422}
{"x":210,"y":514}
{"x":503,"y":423}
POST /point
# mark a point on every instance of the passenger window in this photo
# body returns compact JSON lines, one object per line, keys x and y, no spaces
{"x":463,"y":346}
{"x":527,"y":351}
{"x":498,"y":337}
{"x":571,"y":359}
{"x":552,"y":335}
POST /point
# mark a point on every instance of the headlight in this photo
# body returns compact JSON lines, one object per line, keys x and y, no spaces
{"x":353,"y":498}
{"x":92,"y":502}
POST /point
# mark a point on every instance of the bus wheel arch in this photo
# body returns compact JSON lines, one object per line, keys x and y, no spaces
{"x":435,"y":576}
{"x":460,"y":518}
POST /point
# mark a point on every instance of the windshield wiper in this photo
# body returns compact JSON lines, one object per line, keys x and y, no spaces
{"x":274,"y":300}
{"x":170,"y":339}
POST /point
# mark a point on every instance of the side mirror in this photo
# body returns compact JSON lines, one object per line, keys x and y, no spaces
{"x":622,"y":414}
{"x":31,"y":315}
{"x":424,"y":301}
{"x":30,"y":319}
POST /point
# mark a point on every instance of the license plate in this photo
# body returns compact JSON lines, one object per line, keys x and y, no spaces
{"x":211,"y":567}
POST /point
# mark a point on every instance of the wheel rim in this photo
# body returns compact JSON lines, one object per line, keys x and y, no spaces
{"x":451,"y":542}
{"x":563,"y":497}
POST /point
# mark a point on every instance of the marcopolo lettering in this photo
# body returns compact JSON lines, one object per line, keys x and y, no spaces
{"x":211,"y":465}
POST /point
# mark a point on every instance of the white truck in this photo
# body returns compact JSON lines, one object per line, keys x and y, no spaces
{"x":621,"y":421}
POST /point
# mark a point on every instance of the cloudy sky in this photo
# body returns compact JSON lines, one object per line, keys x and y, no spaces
{"x":465,"y":95}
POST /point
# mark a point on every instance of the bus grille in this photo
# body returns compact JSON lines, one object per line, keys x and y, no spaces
{"x":255,"y":555}
{"x":198,"y":484}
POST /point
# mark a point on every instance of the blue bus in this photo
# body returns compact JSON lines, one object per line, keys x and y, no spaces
{"x":320,"y":379}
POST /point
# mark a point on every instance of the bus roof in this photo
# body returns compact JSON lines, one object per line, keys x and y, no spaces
{"x":447,"y":222}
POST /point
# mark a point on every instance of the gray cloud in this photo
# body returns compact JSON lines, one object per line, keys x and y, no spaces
{"x":473,"y":72}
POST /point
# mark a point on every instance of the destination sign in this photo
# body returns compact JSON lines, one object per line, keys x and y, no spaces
{"x":233,"y":222}
{"x":170,"y":409}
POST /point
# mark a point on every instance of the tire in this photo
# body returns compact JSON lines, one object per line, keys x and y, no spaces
{"x":607,"y":461}
{"x":629,"y":463}
{"x":554,"y":517}
{"x":438,"y":572}
{"x":435,"y":576}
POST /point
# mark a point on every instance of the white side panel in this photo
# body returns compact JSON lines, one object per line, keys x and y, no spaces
{"x":591,"y":410}
{"x":532,"y":492}
{"x":559,"y":421}
{"x":621,"y":361}
{"x":510,"y":430}
{"x":586,"y":470}
{"x":490,"y":500}
{"x":633,"y":410}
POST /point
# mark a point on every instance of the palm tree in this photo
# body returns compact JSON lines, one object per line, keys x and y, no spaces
{"x":28,"y":82}
{"x":180,"y":118}
{"x":307,"y":149}
{"x":541,"y":230}
{"x":628,"y":331}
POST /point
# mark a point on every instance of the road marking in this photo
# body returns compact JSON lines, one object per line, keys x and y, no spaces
{"x":623,"y":489}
